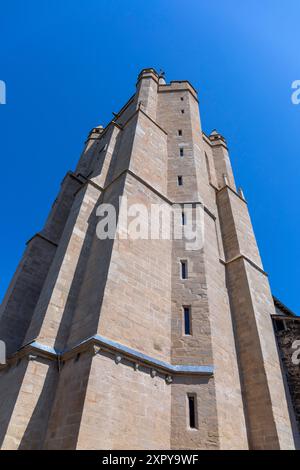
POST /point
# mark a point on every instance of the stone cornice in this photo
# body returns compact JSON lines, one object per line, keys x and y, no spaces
{"x":219,"y":144}
{"x":241,"y":256}
{"x":40,"y":235}
{"x":99,"y":344}
{"x":219,"y":190}
{"x":92,"y":183}
{"x":71,"y":174}
{"x":275,"y":316}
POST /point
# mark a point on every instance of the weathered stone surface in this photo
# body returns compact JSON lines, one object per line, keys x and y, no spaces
{"x":287,"y":331}
{"x":75,"y":394}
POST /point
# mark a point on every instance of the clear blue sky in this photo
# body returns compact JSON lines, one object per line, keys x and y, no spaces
{"x":69,"y":63}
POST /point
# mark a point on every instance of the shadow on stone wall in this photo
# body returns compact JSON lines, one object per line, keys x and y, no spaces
{"x":290,"y":371}
{"x":10,"y":384}
{"x":35,"y":432}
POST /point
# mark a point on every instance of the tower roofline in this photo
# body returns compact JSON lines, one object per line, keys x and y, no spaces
{"x":283,"y":307}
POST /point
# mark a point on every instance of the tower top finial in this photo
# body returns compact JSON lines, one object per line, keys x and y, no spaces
{"x":215,"y":135}
{"x":161,"y":77}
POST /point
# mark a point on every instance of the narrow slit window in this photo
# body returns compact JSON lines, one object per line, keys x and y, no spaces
{"x":179,"y":180}
{"x":179,"y":132}
{"x":183,"y":220}
{"x":187,"y":320}
{"x":181,"y":152}
{"x":181,"y":98}
{"x":192,"y":411}
{"x":182,"y":111}
{"x":183,"y":269}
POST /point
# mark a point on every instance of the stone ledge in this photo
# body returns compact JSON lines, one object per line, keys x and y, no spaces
{"x":275,"y":316}
{"x":39,"y":235}
{"x":219,"y":190}
{"x":34,"y":350}
{"x":92,"y":183}
{"x":254,"y":265}
{"x":71,"y":174}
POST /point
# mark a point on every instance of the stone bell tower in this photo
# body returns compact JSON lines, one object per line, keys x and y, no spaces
{"x":144,"y":344}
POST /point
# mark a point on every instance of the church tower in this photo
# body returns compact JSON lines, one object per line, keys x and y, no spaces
{"x":153,"y":343}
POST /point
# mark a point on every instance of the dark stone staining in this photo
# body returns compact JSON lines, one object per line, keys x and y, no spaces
{"x":287,"y":332}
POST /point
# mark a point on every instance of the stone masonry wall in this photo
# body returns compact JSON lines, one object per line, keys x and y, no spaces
{"x":101,"y":359}
{"x":288,"y":347}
